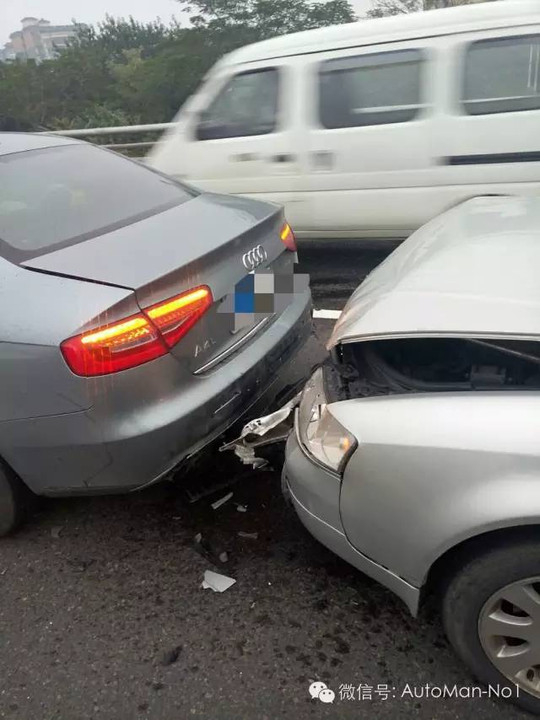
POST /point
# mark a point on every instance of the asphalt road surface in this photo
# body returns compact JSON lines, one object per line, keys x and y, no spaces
{"x":102,"y":614}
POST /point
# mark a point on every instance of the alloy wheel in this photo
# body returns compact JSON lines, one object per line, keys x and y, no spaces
{"x":509,"y":631}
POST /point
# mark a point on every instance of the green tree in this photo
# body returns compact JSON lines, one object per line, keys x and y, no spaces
{"x":21,"y":95}
{"x":383,"y":8}
{"x":114,"y":36}
{"x":259,"y":19}
{"x":125,"y":72}
{"x":81,"y":87}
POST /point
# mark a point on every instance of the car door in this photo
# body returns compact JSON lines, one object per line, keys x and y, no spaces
{"x":369,"y":157}
{"x":245,"y":139}
{"x":488,"y":134}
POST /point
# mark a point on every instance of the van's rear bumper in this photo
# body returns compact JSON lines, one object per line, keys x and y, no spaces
{"x":110,"y":448}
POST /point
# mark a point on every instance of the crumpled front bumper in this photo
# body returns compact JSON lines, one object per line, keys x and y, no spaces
{"x":315,"y":495}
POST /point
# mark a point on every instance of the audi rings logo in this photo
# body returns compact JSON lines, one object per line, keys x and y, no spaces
{"x":254,"y":257}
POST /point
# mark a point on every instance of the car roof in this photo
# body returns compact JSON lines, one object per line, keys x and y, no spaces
{"x":502,"y":13}
{"x":470,"y":272}
{"x":13,"y":142}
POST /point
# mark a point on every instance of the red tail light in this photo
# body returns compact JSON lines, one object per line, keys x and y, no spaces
{"x":287,"y":237}
{"x":174,"y":317}
{"x":136,"y":339}
{"x":110,"y":348}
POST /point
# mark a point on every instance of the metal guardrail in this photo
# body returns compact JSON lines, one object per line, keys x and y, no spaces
{"x":117,"y":130}
{"x":113,"y":130}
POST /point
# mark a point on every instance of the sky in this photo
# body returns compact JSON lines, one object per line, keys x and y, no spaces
{"x":61,"y":12}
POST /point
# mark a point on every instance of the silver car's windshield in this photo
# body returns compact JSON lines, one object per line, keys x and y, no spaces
{"x":66,"y":194}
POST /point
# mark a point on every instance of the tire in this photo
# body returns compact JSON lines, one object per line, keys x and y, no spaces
{"x":14,"y":501}
{"x":472,"y":599}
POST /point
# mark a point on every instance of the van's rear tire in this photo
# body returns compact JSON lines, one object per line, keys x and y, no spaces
{"x":14,"y":501}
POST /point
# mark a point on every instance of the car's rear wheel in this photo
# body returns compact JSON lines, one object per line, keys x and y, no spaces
{"x":491,"y":613}
{"x":14,"y":501}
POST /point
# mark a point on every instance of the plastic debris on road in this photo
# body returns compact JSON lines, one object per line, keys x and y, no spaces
{"x":250,"y":536}
{"x":216,"y":582}
{"x":218,"y":503}
{"x":216,"y":556}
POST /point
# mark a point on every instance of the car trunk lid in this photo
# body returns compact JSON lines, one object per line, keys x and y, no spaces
{"x":211,"y":240}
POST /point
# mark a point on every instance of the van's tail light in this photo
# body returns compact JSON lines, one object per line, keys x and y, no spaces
{"x":287,"y":237}
{"x":136,"y":339}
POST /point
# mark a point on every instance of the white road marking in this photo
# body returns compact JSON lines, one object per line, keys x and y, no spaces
{"x":326,"y":314}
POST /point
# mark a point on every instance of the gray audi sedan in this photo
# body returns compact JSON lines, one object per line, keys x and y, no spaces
{"x":130,"y":336}
{"x":416,"y":452}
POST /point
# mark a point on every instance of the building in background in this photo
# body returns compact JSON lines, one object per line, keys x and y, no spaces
{"x":37,"y":40}
{"x":7,"y":53}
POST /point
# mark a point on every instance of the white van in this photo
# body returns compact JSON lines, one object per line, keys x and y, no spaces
{"x":371,"y":128}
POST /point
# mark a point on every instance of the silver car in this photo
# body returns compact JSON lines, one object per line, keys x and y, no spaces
{"x":130,"y":335}
{"x":416,"y":451}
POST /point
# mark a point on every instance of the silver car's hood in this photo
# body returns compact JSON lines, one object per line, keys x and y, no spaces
{"x":474,"y":270}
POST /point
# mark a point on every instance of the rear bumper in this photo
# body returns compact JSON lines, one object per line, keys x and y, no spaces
{"x":114,"y":449}
{"x":314,"y":494}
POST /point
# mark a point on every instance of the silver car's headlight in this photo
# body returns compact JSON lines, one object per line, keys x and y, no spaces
{"x":321,"y":435}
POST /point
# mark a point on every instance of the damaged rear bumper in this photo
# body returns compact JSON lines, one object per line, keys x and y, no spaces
{"x":261,"y":432}
{"x":129,"y":446}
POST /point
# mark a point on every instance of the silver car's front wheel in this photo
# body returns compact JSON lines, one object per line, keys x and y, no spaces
{"x":509,"y":630}
{"x":491,"y":613}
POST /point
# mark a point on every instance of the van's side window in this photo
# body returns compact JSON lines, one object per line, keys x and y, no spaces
{"x":247,"y":105}
{"x":502,"y":75}
{"x":370,"y":89}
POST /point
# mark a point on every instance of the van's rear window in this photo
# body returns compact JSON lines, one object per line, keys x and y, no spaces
{"x":62,"y":195}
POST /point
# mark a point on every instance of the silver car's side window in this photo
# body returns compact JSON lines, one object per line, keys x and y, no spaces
{"x":502,"y":75}
{"x":246,"y":105}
